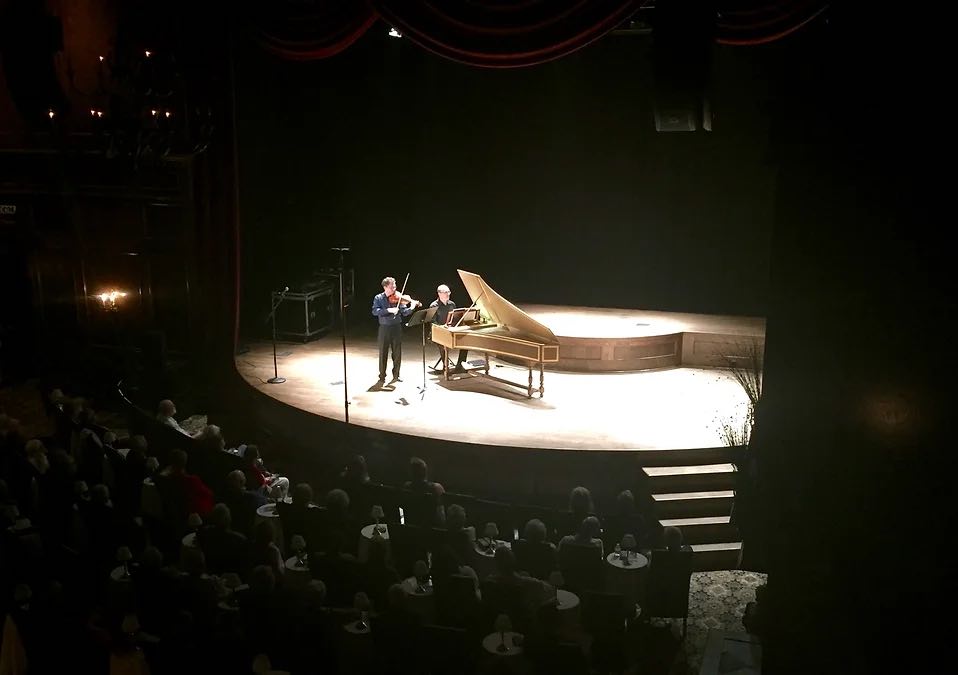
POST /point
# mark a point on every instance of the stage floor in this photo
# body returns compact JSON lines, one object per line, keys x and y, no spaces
{"x":666,"y":408}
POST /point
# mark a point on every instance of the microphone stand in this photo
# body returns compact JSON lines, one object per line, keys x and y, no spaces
{"x":276,"y":379}
{"x":342,"y":328}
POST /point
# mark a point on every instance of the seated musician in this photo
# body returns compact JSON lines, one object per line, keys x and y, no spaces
{"x":445,"y":307}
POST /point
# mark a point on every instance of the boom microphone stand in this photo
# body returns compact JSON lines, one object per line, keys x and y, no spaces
{"x":276,"y":379}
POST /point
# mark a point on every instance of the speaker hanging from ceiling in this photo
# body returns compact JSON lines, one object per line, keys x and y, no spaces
{"x":683,"y":32}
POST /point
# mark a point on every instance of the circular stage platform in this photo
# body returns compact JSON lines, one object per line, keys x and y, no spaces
{"x":626,"y":380}
{"x":600,"y":340}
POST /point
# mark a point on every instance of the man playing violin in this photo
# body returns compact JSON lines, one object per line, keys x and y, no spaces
{"x":391,"y":308}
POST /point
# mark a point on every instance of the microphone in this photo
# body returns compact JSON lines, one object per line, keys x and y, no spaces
{"x":286,"y":289}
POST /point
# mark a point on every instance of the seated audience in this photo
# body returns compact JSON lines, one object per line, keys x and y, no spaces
{"x":674,"y":542}
{"x":395,"y":629}
{"x":210,"y":439}
{"x":459,"y":536}
{"x":340,"y":570}
{"x":242,"y":502}
{"x":225,"y":549}
{"x":419,"y":477}
{"x":264,"y":550}
{"x":378,"y":574}
{"x":272,"y":485}
{"x":165,"y":412}
{"x":589,"y":533}
{"x":626,"y":520}
{"x":523,"y":593}
{"x":534,"y":554}
{"x":424,"y":506}
{"x":354,"y":474}
{"x":580,"y":507}
{"x":198,"y":497}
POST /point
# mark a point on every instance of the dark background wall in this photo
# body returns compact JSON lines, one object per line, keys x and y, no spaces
{"x":550,"y":181}
{"x":127,"y":200}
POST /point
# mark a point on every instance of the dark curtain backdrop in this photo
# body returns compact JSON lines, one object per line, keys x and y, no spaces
{"x":549,"y":181}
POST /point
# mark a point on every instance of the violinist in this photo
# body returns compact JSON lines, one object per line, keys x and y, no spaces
{"x":391,"y":307}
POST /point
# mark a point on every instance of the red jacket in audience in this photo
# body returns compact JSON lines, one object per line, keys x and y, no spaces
{"x":199,"y":498}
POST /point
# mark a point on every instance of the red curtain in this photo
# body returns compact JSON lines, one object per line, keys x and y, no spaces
{"x":498,"y":33}
{"x":304,"y":30}
{"x":754,"y":22}
{"x":501,"y":34}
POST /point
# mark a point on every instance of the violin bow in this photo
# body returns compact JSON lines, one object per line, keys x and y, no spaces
{"x":399,"y":304}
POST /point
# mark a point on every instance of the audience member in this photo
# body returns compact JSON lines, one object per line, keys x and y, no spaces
{"x":272,"y":485}
{"x":534,"y":554}
{"x":198,"y":497}
{"x":674,"y":541}
{"x":378,"y":574}
{"x":580,"y":507}
{"x":165,"y":415}
{"x":354,"y":474}
{"x":419,"y":477}
{"x":225,"y":549}
{"x":264,"y":550}
{"x":588,"y":534}
{"x":242,"y":502}
{"x":459,"y":536}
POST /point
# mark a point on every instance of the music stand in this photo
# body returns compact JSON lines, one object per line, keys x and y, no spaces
{"x":421,"y":317}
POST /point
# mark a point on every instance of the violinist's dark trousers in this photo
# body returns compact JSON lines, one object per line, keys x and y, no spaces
{"x":390,"y":337}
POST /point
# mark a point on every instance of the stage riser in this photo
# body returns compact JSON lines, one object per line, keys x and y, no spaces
{"x":709,"y":534}
{"x":629,"y":340}
{"x":692,"y":482}
{"x":710,"y":561}
{"x":690,"y":457}
{"x":692,"y":350}
{"x":691,"y":508}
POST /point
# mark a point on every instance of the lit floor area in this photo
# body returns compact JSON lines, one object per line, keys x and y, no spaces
{"x":680,"y":407}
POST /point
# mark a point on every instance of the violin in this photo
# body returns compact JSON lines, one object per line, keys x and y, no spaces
{"x":396,"y":298}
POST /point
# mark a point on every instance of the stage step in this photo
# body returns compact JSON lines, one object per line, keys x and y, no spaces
{"x":704,"y":530}
{"x":689,"y":504}
{"x":711,"y":557}
{"x":691,"y":456}
{"x":699,"y":477}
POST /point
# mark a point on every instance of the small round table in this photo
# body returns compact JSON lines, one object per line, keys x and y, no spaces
{"x":366,"y":538}
{"x":269,"y":513}
{"x":485,"y":561}
{"x":492,"y":643}
{"x":297,"y":574}
{"x":628,"y":578}
{"x":421,"y":602}
{"x":566,"y":600}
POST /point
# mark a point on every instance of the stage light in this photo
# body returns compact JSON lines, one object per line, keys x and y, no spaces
{"x":51,"y":114}
{"x":109,"y":300}
{"x":153,"y":112}
{"x":101,"y":59}
{"x":168,"y":113}
{"x":394,"y":33}
{"x":148,"y":53}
